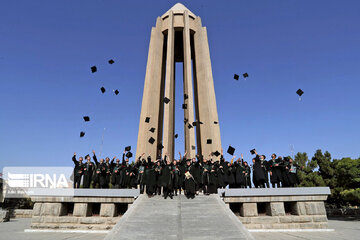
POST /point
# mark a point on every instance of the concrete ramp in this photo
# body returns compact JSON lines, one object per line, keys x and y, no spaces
{"x":205,"y":217}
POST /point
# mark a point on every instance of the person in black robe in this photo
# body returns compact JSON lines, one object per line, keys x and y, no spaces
{"x":158,"y":171}
{"x":239,"y":174}
{"x":176,"y":182}
{"x":88,"y":168}
{"x":258,"y":171}
{"x":266,"y":169}
{"x":108,"y":172}
{"x":133,"y":176}
{"x":275,"y":165}
{"x":150,"y":177}
{"x":78,"y":170}
{"x":221,"y":172}
{"x":195,"y":171}
{"x":213,"y":177}
{"x":100,"y":173}
{"x":230,"y":173}
{"x":141,"y":172}
{"x":247,"y":175}
{"x":125,"y":172}
{"x":167,"y":177}
{"x":292,"y":168}
{"x":115,"y":176}
{"x":189,"y":185}
{"x":206,"y":168}
{"x":284,"y":173}
{"x":181,"y":166}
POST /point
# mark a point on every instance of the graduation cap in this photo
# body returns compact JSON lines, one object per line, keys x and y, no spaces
{"x":216,"y":153}
{"x":147,"y":119}
{"x":166,"y":100}
{"x":160,"y":146}
{"x":245,"y":75}
{"x":231,"y":150}
{"x":176,"y":135}
{"x":151,"y":140}
{"x":111,"y":61}
{"x":252,"y":151}
{"x":86,"y":118}
{"x":184,"y":106}
{"x":209,"y":141}
{"x":102,"y":89}
{"x":129,"y":154}
{"x":128,"y":148}
{"x":192,"y":147}
{"x":215,"y":122}
{"x":116,"y":92}
{"x":185,"y":96}
{"x":93,"y":69}
{"x":236,"y":77}
{"x":185,"y":120}
{"x":299,"y":92}
{"x":152,"y":130}
{"x":82,"y":134}
{"x":189,"y":126}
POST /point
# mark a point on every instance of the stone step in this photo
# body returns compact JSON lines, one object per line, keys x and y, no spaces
{"x":205,"y":217}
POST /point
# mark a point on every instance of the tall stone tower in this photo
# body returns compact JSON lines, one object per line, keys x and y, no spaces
{"x":178,"y":37}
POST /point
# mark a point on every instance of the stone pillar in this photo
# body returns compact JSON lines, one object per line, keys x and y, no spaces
{"x":188,"y":90}
{"x":169,"y":113}
{"x":81,"y":210}
{"x":206,"y":102}
{"x":248,"y":210}
{"x":152,"y":95}
{"x":275,"y":209}
{"x":52,"y":209}
{"x":107,"y":210}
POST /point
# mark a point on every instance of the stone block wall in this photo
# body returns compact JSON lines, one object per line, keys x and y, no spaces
{"x":279,"y":212}
{"x":78,"y":213}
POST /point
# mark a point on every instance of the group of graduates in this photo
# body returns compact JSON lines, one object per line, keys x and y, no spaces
{"x":192,"y":175}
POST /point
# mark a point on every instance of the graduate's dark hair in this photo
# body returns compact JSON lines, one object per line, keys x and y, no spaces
{"x":274,"y":154}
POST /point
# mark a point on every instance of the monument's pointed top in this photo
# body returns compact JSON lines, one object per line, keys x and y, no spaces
{"x":179,"y":8}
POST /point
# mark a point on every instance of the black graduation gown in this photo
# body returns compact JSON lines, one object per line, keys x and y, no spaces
{"x":239,"y":175}
{"x":275,"y":168}
{"x":150,"y":177}
{"x":230,"y":173}
{"x":213,"y":178}
{"x":258,"y":173}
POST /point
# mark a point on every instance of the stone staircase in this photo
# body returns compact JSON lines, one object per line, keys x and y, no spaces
{"x":205,"y":217}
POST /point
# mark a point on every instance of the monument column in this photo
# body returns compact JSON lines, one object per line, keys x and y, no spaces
{"x":169,"y":113}
{"x":188,"y":91}
{"x":152,"y":93}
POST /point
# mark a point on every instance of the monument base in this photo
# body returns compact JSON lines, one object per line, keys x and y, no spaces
{"x":81,"y":209}
{"x":279,"y":208}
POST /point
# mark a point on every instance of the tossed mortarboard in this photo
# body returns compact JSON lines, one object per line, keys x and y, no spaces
{"x":160,"y":146}
{"x":252,"y":151}
{"x":166,"y":100}
{"x":152,"y":130}
{"x":194,"y":124}
{"x":245,"y":75}
{"x":189,"y":126}
{"x":151,"y":140}
{"x":185,"y":120}
{"x":116,"y":92}
{"x":184,"y":106}
{"x":216,"y":153}
{"x":82,"y":134}
{"x":86,"y":118}
{"x":128,"y":148}
{"x":231,"y":150}
{"x":209,"y":141}
{"x":185,"y":96}
{"x":102,"y":89}
{"x":111,"y":61}
{"x":129,"y":154}
{"x":147,"y":119}
{"x":236,"y":77}
{"x":93,"y":69}
{"x":215,"y":122}
{"x":192,"y":147}
{"x":299,"y":92}
{"x":176,"y":135}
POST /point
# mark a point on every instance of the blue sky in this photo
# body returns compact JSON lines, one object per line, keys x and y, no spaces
{"x":48,"y":47}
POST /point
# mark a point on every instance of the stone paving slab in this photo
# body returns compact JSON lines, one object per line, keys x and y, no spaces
{"x":205,"y":217}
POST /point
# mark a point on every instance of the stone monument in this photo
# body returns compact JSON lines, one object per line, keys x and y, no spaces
{"x":178,"y":37}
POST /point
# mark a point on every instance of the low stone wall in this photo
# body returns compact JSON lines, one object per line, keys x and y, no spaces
{"x":93,"y":209}
{"x":23,"y":213}
{"x":286,"y":208}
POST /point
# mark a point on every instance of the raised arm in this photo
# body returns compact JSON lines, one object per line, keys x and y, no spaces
{"x":74,"y":159}
{"x":95,"y":158}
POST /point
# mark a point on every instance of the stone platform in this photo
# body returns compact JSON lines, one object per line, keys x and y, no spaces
{"x":279,"y":208}
{"x":82,"y":209}
{"x":205,"y":217}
